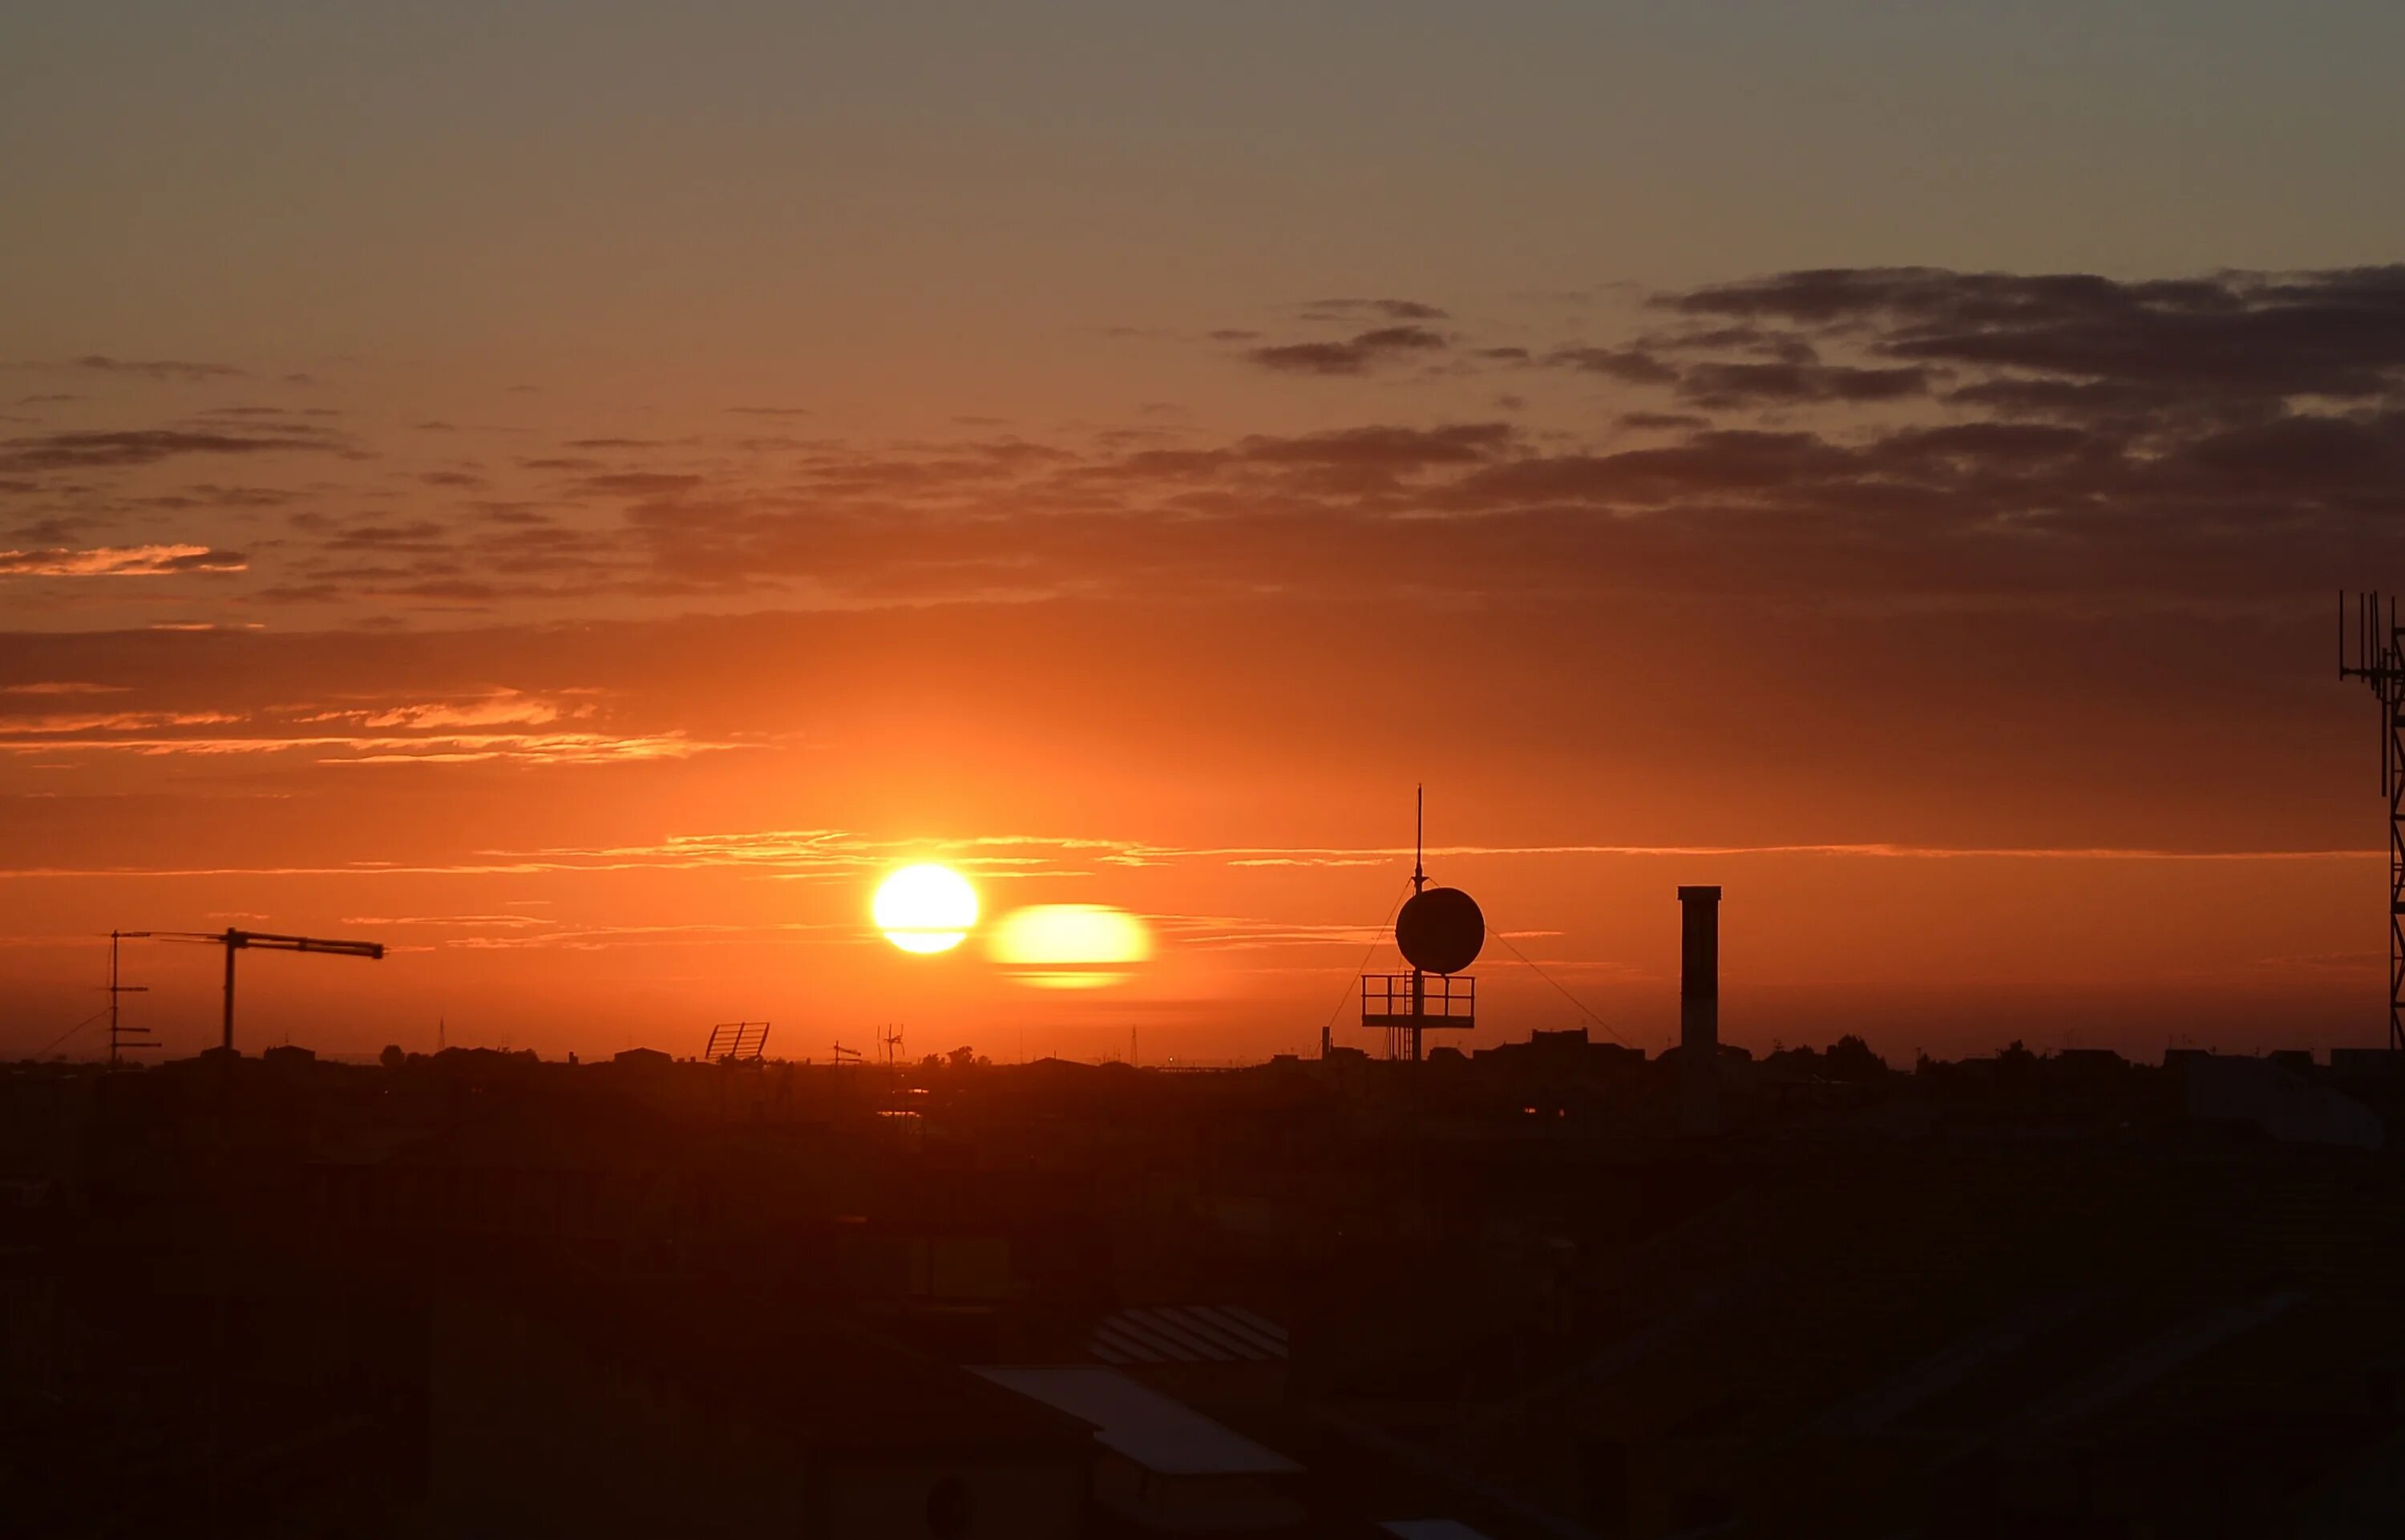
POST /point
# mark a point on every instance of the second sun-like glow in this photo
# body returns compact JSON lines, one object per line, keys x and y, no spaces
{"x":1070,"y":946}
{"x":925,"y":908}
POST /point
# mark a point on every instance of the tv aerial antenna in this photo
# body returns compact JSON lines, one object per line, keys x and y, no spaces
{"x":1439,"y":931}
{"x":2376,"y":655}
{"x":889,"y":1043}
{"x":122,"y":1036}
{"x":737,"y":1041}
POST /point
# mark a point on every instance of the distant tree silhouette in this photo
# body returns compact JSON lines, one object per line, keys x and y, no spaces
{"x":1849,"y":1058}
{"x":2014,"y":1063}
{"x":392,"y":1057}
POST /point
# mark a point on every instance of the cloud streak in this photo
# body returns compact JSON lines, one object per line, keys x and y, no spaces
{"x":117,"y":449}
{"x":121,"y":561}
{"x":809,"y":853}
{"x":1355,"y":355}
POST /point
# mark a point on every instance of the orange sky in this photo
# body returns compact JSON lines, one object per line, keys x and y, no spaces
{"x":541,"y":496}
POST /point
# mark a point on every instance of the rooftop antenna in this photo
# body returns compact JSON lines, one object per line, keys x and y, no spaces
{"x":846,"y":1055}
{"x":1439,"y":930}
{"x":2377,"y":656}
{"x":239,"y":940}
{"x":1419,"y":837}
{"x":122,"y":1036}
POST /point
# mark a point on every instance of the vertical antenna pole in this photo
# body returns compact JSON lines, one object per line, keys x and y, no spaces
{"x":1419,"y":837}
{"x":1419,"y":884}
{"x":226,"y":1038}
{"x":112,"y":999}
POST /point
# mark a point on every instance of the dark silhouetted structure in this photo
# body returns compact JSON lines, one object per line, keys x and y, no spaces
{"x":1699,"y":1007}
{"x":736,"y":1040}
{"x":475,"y":1293}
{"x":237,"y":940}
{"x":2377,"y":658}
{"x":1440,"y":930}
{"x":122,"y":1036}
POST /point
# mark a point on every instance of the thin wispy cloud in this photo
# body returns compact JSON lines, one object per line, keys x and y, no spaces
{"x":806,"y":852}
{"x":165,"y":560}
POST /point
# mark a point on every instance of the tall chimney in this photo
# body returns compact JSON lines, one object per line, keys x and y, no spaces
{"x":1699,"y":1009}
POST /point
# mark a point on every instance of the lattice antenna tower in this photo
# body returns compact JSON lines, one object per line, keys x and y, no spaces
{"x":122,"y":1036}
{"x":2376,"y":655}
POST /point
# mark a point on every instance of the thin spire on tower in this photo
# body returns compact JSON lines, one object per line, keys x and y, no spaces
{"x":1419,"y":837}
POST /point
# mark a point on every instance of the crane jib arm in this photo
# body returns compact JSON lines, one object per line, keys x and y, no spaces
{"x":302,"y":943}
{"x":239,"y":940}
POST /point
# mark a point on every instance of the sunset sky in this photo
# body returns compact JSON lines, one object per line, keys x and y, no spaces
{"x":578,"y":493}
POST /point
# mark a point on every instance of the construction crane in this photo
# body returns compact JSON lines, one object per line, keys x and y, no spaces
{"x":236,"y":940}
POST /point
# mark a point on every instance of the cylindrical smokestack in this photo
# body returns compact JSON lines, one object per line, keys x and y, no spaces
{"x":1700,"y":1008}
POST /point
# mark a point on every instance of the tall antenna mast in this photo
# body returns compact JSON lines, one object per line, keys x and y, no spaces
{"x":1419,"y":837}
{"x":2377,"y":656}
{"x":1439,"y":931}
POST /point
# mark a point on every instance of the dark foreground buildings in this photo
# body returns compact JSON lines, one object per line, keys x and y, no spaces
{"x":478,"y":1294}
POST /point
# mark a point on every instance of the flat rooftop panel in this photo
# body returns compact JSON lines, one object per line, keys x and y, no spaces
{"x":1164,"y":1435}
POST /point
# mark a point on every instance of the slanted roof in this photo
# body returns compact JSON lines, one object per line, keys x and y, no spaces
{"x":1163,"y":1435}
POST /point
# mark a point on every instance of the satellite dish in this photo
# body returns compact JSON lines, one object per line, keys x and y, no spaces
{"x":1441,"y":930}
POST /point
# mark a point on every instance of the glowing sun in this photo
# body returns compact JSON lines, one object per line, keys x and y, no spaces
{"x":925,"y":908}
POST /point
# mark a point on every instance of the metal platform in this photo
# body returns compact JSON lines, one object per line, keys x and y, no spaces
{"x":1449,"y":1000}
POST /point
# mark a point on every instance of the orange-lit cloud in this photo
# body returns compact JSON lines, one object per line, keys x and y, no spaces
{"x":63,"y":687}
{"x":460,"y":748}
{"x":121,"y":561}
